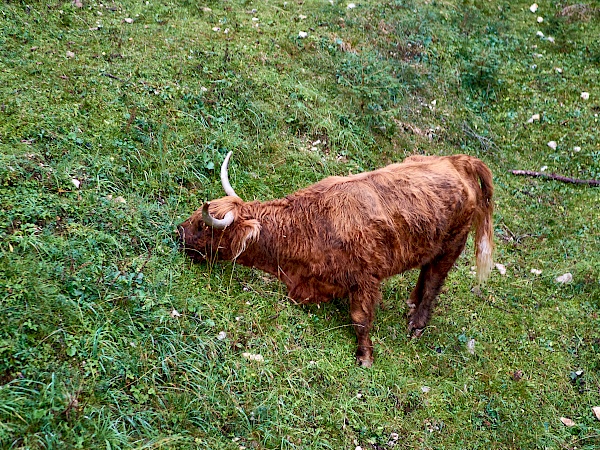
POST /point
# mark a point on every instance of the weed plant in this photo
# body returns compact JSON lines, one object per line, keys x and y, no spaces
{"x":114,"y":119}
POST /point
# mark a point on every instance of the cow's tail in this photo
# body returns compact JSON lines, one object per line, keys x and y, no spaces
{"x":484,"y":227}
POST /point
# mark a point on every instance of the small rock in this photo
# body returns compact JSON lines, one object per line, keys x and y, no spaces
{"x":70,"y":54}
{"x":221,"y":336}
{"x":566,"y":278}
{"x":501,"y":268}
{"x":253,"y":357}
{"x":471,"y":346}
{"x":425,"y":389}
{"x":128,"y":20}
{"x":302,"y":34}
{"x":351,"y":6}
{"x":540,"y":19}
{"x":76,"y":182}
{"x":552,"y":145}
{"x":533,"y":8}
{"x":175,"y":314}
{"x":576,"y":149}
{"x":568,"y":422}
{"x":539,"y":34}
{"x":585,"y":95}
{"x":596,"y":410}
{"x":536,"y":271}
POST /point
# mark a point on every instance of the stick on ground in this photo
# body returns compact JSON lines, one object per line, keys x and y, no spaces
{"x":553,"y":176}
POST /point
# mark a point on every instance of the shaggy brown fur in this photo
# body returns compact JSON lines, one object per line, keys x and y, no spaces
{"x":343,"y":235}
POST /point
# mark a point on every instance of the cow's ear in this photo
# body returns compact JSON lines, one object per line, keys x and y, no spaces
{"x":244,"y":233}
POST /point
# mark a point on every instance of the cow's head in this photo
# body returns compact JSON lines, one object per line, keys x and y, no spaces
{"x":219,"y":229}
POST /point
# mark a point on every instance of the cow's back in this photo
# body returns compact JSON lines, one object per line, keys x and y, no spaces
{"x":401,"y":212}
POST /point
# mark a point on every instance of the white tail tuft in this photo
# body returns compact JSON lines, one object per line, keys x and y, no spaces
{"x":485,"y":262}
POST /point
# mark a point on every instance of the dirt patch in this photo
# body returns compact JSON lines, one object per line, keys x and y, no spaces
{"x":578,"y":12}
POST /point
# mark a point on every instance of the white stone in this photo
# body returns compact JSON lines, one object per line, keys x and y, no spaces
{"x":471,"y":346}
{"x":253,"y":357}
{"x":566,"y":278}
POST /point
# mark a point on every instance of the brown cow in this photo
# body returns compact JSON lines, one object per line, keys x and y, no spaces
{"x":343,"y":235}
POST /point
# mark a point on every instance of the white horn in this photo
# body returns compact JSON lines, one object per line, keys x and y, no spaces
{"x":219,"y":224}
{"x":225,"y":177}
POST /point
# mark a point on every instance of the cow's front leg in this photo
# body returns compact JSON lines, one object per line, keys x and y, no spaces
{"x":363,"y":300}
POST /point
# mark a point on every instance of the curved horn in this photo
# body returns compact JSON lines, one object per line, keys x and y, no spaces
{"x":219,"y":224}
{"x":225,"y":177}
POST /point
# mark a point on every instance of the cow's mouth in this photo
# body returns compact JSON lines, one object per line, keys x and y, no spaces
{"x":193,"y":253}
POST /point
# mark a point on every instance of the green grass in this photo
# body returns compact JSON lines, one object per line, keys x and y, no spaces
{"x":142,"y":114}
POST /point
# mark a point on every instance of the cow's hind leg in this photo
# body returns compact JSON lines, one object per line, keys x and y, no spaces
{"x":363,"y":300}
{"x":431,"y":280}
{"x":417,"y":294}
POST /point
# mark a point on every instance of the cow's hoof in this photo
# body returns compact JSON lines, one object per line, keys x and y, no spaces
{"x":363,"y":362}
{"x":414,"y":331}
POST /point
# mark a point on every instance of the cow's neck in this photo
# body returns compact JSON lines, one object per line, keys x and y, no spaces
{"x":270,"y":252}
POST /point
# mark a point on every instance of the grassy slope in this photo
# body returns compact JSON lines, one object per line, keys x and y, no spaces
{"x":90,"y":355}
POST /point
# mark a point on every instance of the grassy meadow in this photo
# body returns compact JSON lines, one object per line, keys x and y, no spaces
{"x":114,"y":119}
